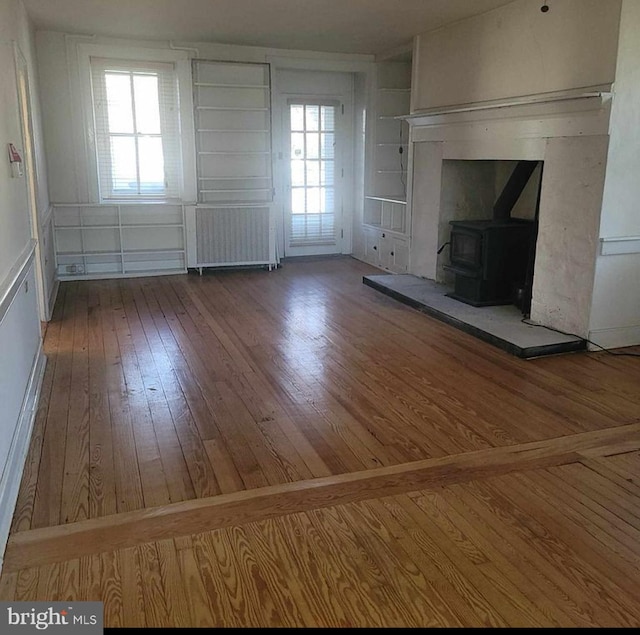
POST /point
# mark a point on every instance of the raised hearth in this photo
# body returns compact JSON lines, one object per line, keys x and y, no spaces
{"x":501,"y":326}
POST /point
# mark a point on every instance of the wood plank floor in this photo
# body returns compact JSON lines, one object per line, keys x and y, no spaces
{"x":294,"y":449}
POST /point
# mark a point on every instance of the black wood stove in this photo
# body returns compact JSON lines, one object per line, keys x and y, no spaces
{"x":493,"y":259}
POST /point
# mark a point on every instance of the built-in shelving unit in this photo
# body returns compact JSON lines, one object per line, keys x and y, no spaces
{"x":386,"y":221}
{"x":391,"y":134}
{"x":233,"y":131}
{"x":118,"y":240}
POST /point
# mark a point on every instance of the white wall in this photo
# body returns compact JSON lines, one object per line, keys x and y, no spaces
{"x":517,"y":50}
{"x":20,"y":344}
{"x":615,"y":315}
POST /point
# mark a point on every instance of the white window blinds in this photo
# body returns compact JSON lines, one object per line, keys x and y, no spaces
{"x":137,"y":129}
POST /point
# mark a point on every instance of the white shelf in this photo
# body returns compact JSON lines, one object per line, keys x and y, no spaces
{"x":232,"y":108}
{"x":230,"y":131}
{"x":257,"y":189}
{"x":152,"y":225}
{"x":81,"y":254}
{"x":154,"y":251}
{"x":123,"y":225}
{"x":233,"y":178}
{"x":234,"y":152}
{"x":215,"y":85}
{"x":76,"y":227}
{"x":387,"y":199}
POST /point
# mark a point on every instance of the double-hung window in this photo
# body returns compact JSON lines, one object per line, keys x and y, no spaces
{"x":137,"y":129}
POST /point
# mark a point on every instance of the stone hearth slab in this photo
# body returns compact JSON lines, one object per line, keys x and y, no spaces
{"x":501,"y":326}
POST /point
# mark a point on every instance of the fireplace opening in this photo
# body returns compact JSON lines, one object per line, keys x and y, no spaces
{"x":492,"y":259}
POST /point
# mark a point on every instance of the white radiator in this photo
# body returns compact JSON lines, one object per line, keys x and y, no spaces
{"x":226,"y":236}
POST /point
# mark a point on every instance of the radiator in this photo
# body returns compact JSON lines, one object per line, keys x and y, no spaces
{"x":233,"y":236}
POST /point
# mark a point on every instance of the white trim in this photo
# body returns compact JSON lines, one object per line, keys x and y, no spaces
{"x":47,"y":216}
{"x":620,"y":246}
{"x":132,"y":274}
{"x":54,"y":295}
{"x":15,"y":277}
{"x":600,"y":95}
{"x":281,"y":62}
{"x":14,"y":467}
{"x":617,"y":337}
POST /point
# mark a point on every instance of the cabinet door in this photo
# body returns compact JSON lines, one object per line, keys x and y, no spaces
{"x":386,"y":249}
{"x":372,"y":246}
{"x":400,"y":255}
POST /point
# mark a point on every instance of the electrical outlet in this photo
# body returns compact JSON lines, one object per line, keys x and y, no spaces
{"x":77,"y":269}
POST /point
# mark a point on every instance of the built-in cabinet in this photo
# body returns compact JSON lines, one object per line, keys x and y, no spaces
{"x":386,"y":239}
{"x":110,"y":240}
{"x":386,"y":220}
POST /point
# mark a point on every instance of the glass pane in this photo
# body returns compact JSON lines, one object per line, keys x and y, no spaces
{"x":145,"y":90}
{"x":327,"y":143}
{"x":313,"y":173}
{"x":119,"y":102}
{"x":313,"y":200}
{"x":327,"y":200}
{"x":297,"y":117}
{"x":124,"y":176}
{"x":328,"y":118}
{"x":313,"y":145}
{"x":151,"y":165}
{"x":297,"y":145}
{"x":297,"y":200}
{"x":313,"y":117}
{"x":327,"y":173}
{"x":297,"y":173}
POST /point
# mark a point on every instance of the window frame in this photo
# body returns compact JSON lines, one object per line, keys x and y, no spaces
{"x":169,"y":127}
{"x":86,"y":163}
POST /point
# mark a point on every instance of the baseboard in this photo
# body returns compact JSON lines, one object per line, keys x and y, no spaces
{"x":12,"y":473}
{"x":54,"y":296}
{"x":616,"y":337}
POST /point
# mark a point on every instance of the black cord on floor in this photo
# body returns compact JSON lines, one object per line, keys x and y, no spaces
{"x":606,"y":350}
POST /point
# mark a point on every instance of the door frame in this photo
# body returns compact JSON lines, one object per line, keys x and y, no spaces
{"x":280,"y":116}
{"x":23,"y":86}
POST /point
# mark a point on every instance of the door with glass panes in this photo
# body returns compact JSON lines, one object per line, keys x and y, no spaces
{"x":313,"y":223}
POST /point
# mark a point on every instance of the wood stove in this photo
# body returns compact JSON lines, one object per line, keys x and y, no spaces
{"x":493,"y":259}
{"x":489,"y":259}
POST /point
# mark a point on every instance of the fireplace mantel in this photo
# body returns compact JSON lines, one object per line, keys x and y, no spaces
{"x":569,"y":133}
{"x":596,"y":96}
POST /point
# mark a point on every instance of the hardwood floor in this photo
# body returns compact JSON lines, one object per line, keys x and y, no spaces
{"x":295,"y":449}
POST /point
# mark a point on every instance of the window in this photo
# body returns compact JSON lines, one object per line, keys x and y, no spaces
{"x":137,"y":129}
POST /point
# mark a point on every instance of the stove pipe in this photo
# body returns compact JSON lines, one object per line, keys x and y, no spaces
{"x":513,"y":189}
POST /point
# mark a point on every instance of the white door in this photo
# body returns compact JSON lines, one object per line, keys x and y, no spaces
{"x":22,"y":76}
{"x":313,"y":223}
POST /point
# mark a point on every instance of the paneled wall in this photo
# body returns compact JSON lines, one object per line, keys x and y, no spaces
{"x":20,"y":343}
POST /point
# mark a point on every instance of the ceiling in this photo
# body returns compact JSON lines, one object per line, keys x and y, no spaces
{"x":340,"y":26}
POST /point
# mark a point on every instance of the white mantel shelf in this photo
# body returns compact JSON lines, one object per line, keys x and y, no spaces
{"x":602,"y":96}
